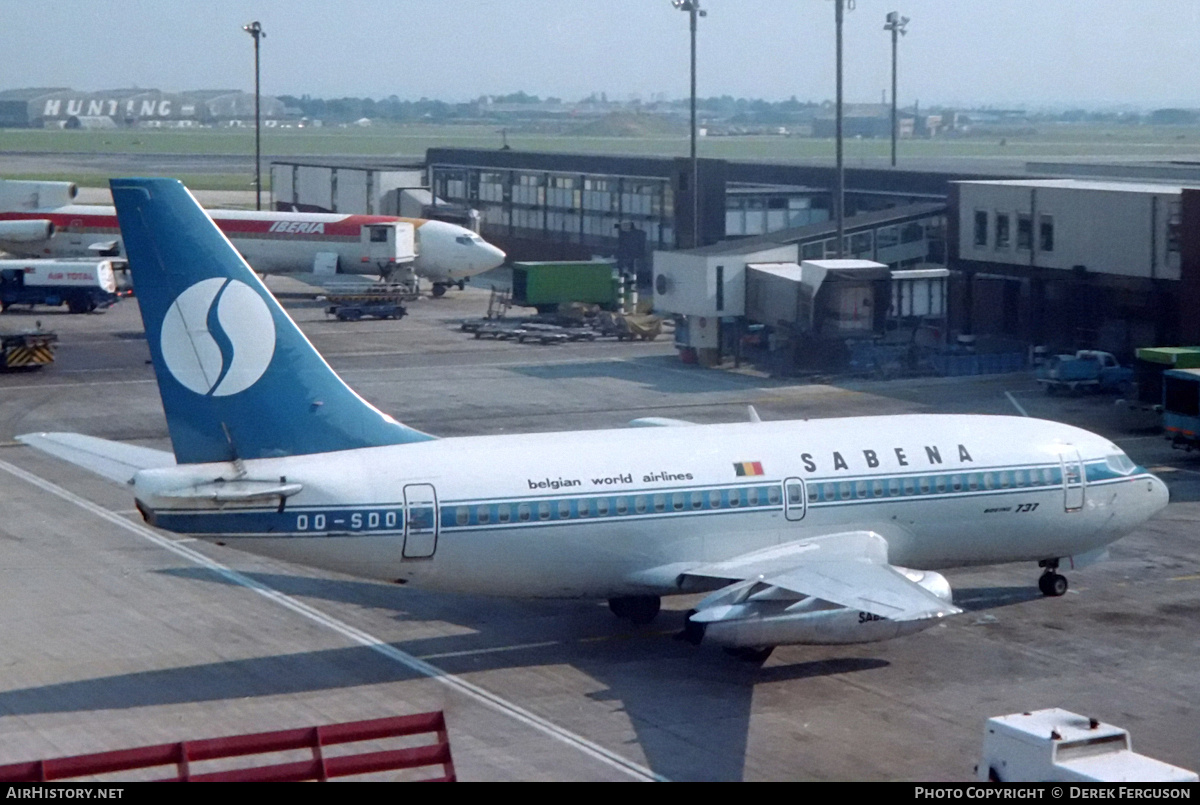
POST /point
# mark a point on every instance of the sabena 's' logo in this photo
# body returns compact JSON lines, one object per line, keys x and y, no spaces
{"x":218,"y":337}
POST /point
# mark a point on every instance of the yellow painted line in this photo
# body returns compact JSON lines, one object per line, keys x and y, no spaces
{"x":1193,"y":577}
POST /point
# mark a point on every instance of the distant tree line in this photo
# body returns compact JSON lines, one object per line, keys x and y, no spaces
{"x":725,"y":108}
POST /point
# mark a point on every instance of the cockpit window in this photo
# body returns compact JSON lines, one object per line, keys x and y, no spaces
{"x":464,"y":240}
{"x":1120,"y":463}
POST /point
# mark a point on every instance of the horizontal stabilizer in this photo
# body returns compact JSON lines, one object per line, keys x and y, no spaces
{"x":114,"y":460}
{"x":658,"y":422}
{"x":241,"y":489}
{"x":848,"y":569}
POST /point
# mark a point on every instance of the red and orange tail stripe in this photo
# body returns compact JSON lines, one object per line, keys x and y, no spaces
{"x":747,"y":468}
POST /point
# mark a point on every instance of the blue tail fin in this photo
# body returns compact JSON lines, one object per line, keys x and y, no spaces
{"x":237,"y":377}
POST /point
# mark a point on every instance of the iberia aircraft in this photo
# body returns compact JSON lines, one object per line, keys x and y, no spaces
{"x":822,"y":531}
{"x":37,"y":219}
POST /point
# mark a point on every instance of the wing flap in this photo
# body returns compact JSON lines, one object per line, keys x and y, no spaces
{"x":116,"y":461}
{"x":849,"y":569}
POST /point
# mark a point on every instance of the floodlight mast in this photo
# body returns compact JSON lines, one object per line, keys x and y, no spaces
{"x":896,"y":24}
{"x":692,"y":7}
{"x":256,"y":31}
{"x":839,"y":195}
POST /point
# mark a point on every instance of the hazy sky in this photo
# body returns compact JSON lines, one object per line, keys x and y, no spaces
{"x":1002,"y":52}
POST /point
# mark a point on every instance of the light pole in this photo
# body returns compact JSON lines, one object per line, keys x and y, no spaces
{"x":895,"y":24}
{"x":255,"y":30}
{"x":692,"y":7}
{"x":839,"y":194}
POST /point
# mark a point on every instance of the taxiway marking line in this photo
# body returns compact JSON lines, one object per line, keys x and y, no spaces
{"x":356,"y":635}
{"x":1016,"y":404}
{"x":78,"y":385}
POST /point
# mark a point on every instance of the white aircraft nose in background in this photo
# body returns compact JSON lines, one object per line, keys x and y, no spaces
{"x":450,"y":253}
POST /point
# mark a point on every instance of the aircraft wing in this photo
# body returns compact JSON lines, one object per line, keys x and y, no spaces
{"x":116,"y":461}
{"x":849,"y":569}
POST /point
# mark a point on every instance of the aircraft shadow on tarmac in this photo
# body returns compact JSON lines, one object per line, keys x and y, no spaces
{"x":689,"y":707}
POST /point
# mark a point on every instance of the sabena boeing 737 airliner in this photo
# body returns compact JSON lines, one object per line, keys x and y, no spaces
{"x":822,"y":531}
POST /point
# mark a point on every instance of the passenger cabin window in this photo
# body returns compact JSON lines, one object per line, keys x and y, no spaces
{"x":697,"y":500}
{"x":564,"y":509}
{"x":543,"y":511}
{"x":622,"y":506}
{"x":602,"y":507}
{"x":584,"y":507}
{"x":503,"y":513}
{"x":484,"y":515}
{"x":523,"y":512}
{"x":462,"y":515}
{"x":773,"y":495}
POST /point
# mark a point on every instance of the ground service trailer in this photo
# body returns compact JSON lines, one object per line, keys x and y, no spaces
{"x":81,"y":285}
{"x":546,"y":285}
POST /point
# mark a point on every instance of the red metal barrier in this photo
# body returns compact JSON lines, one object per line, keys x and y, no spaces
{"x":312,"y":738}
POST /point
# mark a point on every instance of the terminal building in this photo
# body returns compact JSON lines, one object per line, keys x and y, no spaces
{"x":1078,"y":263}
{"x":1033,"y":259}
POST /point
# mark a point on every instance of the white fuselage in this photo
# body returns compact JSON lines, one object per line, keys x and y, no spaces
{"x":621,"y":512}
{"x":444,"y":253}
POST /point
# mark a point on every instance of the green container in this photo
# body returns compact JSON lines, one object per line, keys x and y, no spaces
{"x":1174,"y":357}
{"x":546,"y":285}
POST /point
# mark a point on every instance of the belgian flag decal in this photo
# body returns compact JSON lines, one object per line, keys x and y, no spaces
{"x":745,"y":468}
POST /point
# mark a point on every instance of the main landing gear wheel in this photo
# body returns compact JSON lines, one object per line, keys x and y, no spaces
{"x":751,"y":654}
{"x":439,"y":290}
{"x":640,"y":609}
{"x":1052,"y":584}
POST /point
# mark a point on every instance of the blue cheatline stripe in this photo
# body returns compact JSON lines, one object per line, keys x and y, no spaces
{"x":493,"y":513}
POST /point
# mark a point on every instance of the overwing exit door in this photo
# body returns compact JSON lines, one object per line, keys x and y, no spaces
{"x":420,"y":521}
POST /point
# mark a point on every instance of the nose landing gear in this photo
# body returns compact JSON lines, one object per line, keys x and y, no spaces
{"x":1052,"y":584}
{"x":641,"y":609}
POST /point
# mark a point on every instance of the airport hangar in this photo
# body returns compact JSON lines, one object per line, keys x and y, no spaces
{"x":1110,"y":263}
{"x":56,"y":107}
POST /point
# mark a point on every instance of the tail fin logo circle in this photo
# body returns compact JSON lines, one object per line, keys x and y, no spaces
{"x":218,"y":337}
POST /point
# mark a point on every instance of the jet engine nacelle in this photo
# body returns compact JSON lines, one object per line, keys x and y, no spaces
{"x":766,"y":622}
{"x":31,"y":231}
{"x":18,"y":195}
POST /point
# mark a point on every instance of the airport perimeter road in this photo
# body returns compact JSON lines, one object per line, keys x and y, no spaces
{"x":115,"y":635}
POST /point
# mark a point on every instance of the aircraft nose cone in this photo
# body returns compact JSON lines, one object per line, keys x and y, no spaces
{"x":492,"y":256}
{"x":1160,"y":495}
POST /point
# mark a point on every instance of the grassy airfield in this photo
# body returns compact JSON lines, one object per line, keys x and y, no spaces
{"x":409,"y":142}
